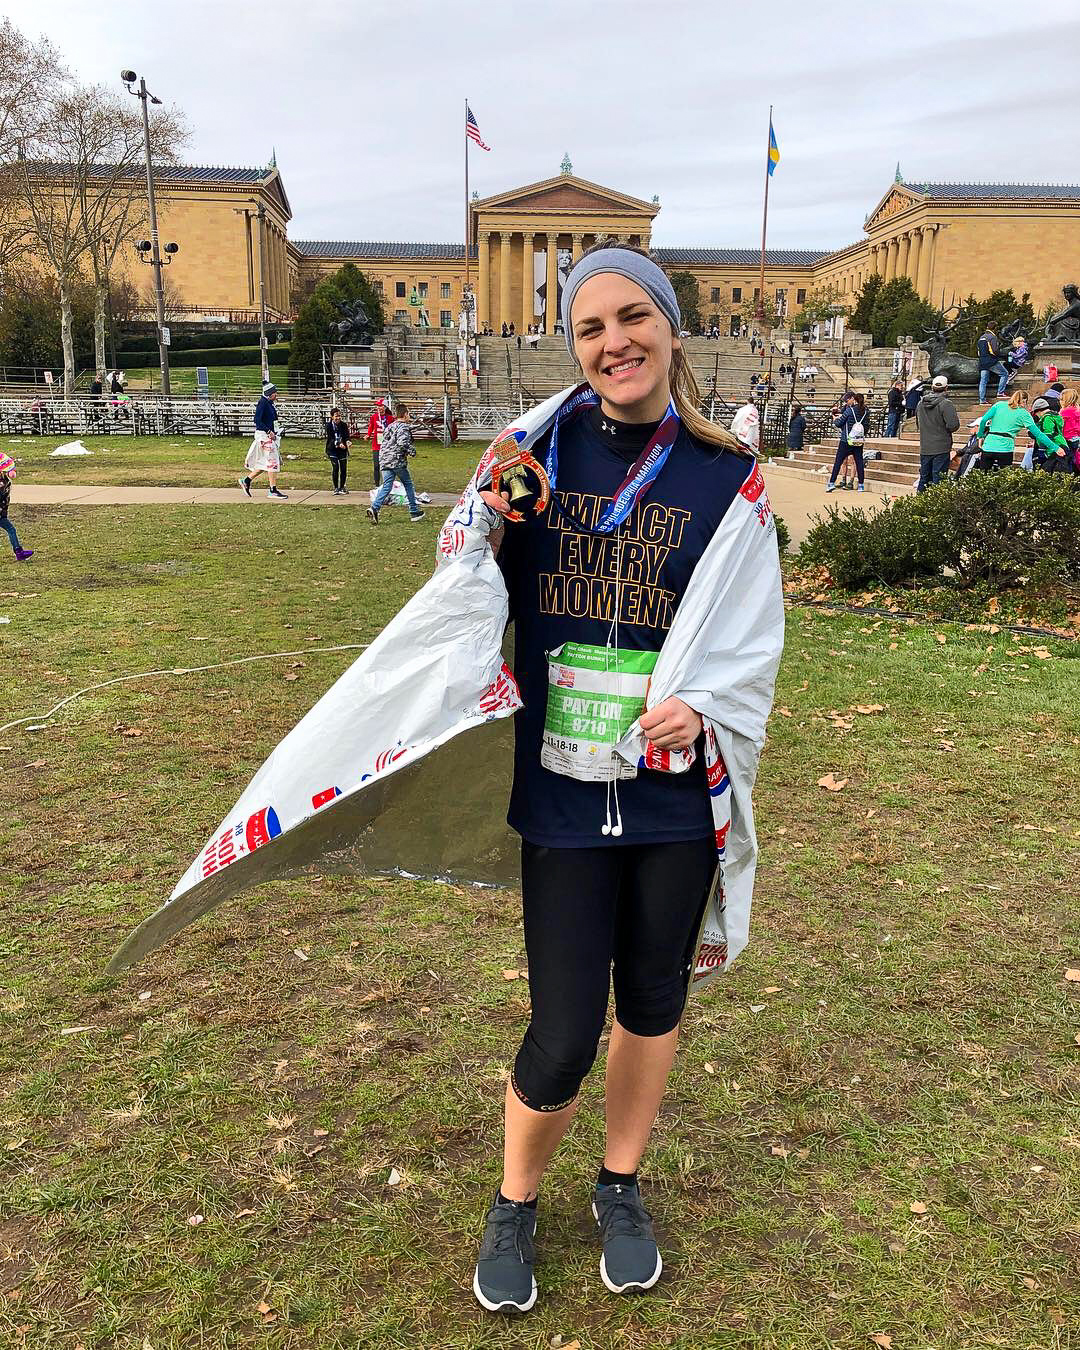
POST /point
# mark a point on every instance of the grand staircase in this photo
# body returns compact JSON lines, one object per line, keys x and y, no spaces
{"x":896,"y":472}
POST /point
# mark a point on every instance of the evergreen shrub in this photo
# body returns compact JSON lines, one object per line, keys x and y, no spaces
{"x":1004,"y":529}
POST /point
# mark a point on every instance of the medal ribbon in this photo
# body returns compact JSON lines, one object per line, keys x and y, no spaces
{"x":643,"y":473}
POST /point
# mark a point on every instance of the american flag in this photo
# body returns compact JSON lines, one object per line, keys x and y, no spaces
{"x":472,"y":130}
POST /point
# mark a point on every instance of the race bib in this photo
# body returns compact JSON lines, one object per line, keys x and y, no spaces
{"x":595,"y":694}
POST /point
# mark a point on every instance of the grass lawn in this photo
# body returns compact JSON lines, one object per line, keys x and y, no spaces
{"x":872,"y":1128}
{"x":215,"y":461}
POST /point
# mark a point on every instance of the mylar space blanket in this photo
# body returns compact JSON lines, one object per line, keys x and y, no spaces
{"x":377,"y":777}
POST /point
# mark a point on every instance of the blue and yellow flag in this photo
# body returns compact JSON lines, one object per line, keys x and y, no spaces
{"x":774,"y":149}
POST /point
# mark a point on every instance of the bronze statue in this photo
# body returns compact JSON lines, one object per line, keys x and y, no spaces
{"x":959,"y":370}
{"x":353,"y":329}
{"x":1065,"y":326}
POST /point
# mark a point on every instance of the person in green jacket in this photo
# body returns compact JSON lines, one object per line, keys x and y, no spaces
{"x":998,"y":428}
{"x":1051,"y":424}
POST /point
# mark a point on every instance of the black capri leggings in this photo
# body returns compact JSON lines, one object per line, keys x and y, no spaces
{"x":842,"y":451}
{"x":628,"y":913}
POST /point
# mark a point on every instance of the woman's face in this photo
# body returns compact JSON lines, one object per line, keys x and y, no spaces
{"x":624,"y":345}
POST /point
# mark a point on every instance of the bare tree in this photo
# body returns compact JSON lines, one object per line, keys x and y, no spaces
{"x":28,"y":71}
{"x":78,"y":179}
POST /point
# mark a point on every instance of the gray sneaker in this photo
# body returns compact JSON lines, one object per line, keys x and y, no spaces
{"x":631,"y":1259}
{"x":503,"y":1281}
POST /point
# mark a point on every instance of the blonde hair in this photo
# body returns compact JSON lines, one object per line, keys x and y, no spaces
{"x":1017,"y":399}
{"x":685,"y":393}
{"x":1070,"y":398}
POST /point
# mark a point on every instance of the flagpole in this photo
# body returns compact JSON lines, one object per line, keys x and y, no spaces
{"x":759,"y":313}
{"x":468,"y":222}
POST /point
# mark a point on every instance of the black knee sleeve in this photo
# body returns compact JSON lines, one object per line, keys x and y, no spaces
{"x":651,"y":1012}
{"x":547,"y":1078}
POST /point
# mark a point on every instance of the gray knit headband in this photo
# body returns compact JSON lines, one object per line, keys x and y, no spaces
{"x":623,"y":261}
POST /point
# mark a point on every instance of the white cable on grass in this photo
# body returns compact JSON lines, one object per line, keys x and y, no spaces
{"x":174,"y":670}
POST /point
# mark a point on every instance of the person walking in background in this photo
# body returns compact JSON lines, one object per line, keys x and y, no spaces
{"x":990,"y":363}
{"x":397,"y":446}
{"x":896,"y":408}
{"x":337,"y":449}
{"x":1070,"y":417}
{"x":1052,"y":426}
{"x":852,"y":435}
{"x":7,"y":473}
{"x":264,"y":454}
{"x":937,"y":420}
{"x":912,"y":398}
{"x":999,"y":427}
{"x":796,"y":432}
{"x":380,"y":419}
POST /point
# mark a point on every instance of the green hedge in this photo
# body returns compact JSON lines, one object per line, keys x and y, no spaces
{"x":201,"y":341}
{"x":1003,"y":529}
{"x":222,"y":356}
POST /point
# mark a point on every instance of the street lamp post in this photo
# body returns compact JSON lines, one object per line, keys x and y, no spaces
{"x":145,"y":97}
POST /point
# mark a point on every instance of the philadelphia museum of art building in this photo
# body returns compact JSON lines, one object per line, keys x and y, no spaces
{"x":951,"y":239}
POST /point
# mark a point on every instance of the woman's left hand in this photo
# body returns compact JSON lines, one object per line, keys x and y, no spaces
{"x":671,"y":725}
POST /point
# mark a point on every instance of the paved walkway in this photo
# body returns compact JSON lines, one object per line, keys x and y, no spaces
{"x":796,"y":499}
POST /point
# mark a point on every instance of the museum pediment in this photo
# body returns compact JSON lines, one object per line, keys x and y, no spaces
{"x":567,"y":193}
{"x":894,"y":202}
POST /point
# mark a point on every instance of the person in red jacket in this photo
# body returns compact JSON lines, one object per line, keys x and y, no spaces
{"x":380,"y":419}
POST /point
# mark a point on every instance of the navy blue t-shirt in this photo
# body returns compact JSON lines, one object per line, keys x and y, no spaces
{"x":559,"y":581}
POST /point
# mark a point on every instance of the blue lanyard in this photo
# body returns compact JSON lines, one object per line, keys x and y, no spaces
{"x":643,"y":473}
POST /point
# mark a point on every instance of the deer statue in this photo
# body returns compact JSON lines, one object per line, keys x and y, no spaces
{"x":961,"y":370}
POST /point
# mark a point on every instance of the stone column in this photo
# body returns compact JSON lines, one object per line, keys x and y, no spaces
{"x":890,"y":260}
{"x":504,"y":280}
{"x":577,"y":240}
{"x":551,"y":306}
{"x":926,"y":261}
{"x":483,"y":281}
{"x":913,"y":257}
{"x":902,"y":256}
{"x":527,"y":284}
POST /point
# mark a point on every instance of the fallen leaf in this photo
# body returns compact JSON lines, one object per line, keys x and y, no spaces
{"x":867,"y":708}
{"x":871,"y":813}
{"x":1076,"y":1038}
{"x":37,"y":764}
{"x":394,"y":1179}
{"x":1073,"y":975}
{"x":278,"y":551}
{"x":243,"y":1214}
{"x":14,"y":1144}
{"x":833,"y":784}
{"x":880,"y":1338}
{"x":511,"y":975}
{"x":1029,"y":1283}
{"x":784,"y":712}
{"x":320,"y":1134}
{"x":194,"y":1220}
{"x":311,"y":1152}
{"x":758,"y":1007}
{"x":778,"y":1150}
{"x":917,"y":1207}
{"x":71,"y":1031}
{"x":711,"y":1068}
{"x":290,"y":675}
{"x":299,"y":952}
{"x":772,"y":989}
{"x":941,"y":637}
{"x":146,"y":993}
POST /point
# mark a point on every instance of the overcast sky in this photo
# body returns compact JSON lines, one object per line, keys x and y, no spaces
{"x":364,"y":101}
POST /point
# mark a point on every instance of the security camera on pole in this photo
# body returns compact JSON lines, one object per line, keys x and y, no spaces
{"x":151,"y":245}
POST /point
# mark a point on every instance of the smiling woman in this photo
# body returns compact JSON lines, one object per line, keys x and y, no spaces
{"x":641,"y":490}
